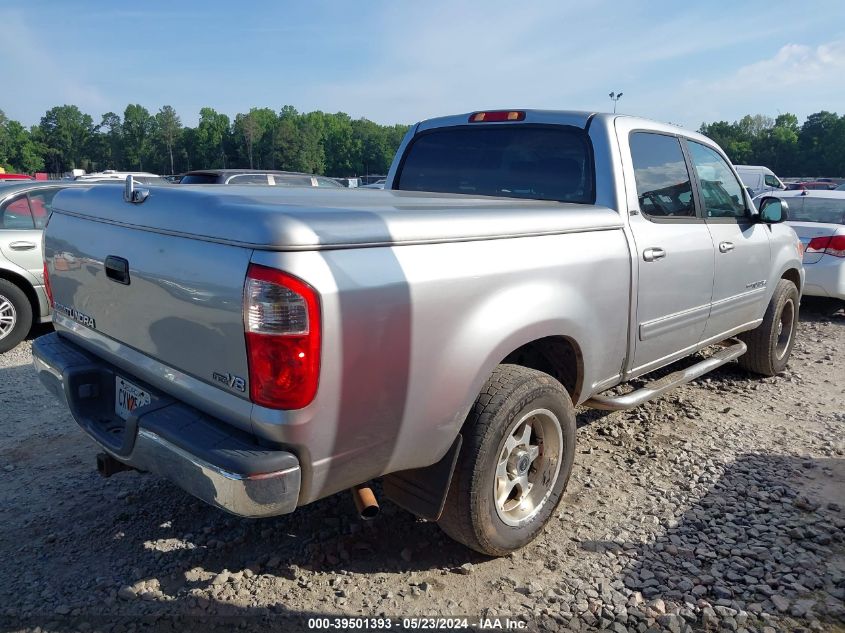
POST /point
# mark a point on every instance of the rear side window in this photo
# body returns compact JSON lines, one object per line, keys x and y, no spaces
{"x":290,"y":181}
{"x":513,"y":161}
{"x":663,"y":182}
{"x":16,"y":214}
{"x":248,"y":179}
{"x":198,"y":179}
{"x":41,"y":204}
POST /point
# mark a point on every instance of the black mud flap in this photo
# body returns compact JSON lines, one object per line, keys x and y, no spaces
{"x":422,"y":491}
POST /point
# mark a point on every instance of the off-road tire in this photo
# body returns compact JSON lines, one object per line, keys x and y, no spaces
{"x":470,"y":515}
{"x":766,"y":354}
{"x":12,"y":294}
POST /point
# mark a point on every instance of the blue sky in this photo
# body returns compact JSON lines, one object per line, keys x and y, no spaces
{"x":399,"y":62}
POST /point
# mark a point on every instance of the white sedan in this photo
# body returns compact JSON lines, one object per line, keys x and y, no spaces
{"x":818,"y":217}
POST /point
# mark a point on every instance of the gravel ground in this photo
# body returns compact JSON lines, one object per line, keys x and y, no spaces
{"x":717,"y":507}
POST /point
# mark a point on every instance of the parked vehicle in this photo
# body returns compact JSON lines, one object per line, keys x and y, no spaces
{"x":840,"y":188}
{"x":818,"y":217}
{"x":759,"y":179}
{"x":14,"y":177}
{"x":144,"y":180}
{"x":120,"y":176}
{"x":378,"y":184}
{"x":24,"y":208}
{"x":811,"y":185}
{"x":836,"y":182}
{"x":257,"y":177}
{"x":266,"y":348}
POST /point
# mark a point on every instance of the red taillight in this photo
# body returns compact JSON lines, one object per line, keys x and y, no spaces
{"x":282,"y":325}
{"x":47,"y":287}
{"x":496,"y":116}
{"x":829,"y":245}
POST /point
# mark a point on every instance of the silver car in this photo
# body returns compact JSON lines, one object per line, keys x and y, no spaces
{"x":818,"y":217}
{"x":24,"y":208}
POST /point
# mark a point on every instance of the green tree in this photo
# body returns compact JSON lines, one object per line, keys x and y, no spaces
{"x":817,"y":142}
{"x":341,"y":147}
{"x":188,"y":149}
{"x":298,"y":143}
{"x":168,"y":128}
{"x":377,"y":147}
{"x":752,"y":127}
{"x":65,"y":132}
{"x":137,"y":131}
{"x":5,"y":144}
{"x":212,"y":138}
{"x":777,"y":146}
{"x":26,"y":154}
{"x":247,"y":127}
{"x":113,"y":127}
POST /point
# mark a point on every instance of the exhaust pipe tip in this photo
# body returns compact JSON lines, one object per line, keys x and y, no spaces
{"x":365,"y":502}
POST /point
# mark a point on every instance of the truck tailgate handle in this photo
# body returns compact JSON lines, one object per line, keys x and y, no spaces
{"x":117,"y":269}
{"x":653,"y":254}
{"x":22,"y":246}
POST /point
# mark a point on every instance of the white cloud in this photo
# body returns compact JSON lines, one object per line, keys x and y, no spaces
{"x":794,"y":65}
{"x":798,"y":78}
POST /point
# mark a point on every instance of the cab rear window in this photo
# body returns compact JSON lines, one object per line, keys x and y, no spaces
{"x":514,"y":161}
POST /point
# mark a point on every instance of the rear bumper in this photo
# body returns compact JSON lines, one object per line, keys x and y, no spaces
{"x":211,"y":460}
{"x":826,"y":277}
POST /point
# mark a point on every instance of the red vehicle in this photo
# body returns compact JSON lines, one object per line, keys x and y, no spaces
{"x":811,"y":184}
{"x":15,"y":177}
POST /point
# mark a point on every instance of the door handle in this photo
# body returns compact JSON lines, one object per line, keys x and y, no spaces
{"x":117,"y":269}
{"x":22,"y":246}
{"x":724,"y":247}
{"x":653,"y":254}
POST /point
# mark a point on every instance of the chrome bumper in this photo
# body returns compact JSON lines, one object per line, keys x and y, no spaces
{"x":216,"y":463}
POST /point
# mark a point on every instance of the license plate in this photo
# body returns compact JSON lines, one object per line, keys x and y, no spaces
{"x":128,"y":397}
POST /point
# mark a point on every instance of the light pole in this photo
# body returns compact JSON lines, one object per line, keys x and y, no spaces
{"x":615,"y":97}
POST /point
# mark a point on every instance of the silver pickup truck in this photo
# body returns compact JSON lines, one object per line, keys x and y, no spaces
{"x":265,"y":348}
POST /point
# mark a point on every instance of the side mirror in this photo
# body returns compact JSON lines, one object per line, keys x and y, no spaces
{"x":773,"y":210}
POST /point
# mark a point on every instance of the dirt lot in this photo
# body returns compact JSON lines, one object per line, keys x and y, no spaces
{"x":718,"y":507}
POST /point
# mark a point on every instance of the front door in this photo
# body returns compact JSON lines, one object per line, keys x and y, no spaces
{"x":743,"y":257}
{"x":674,"y":251}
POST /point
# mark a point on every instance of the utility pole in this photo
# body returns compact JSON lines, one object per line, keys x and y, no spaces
{"x":615,"y":97}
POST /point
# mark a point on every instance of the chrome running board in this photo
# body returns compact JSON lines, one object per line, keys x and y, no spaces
{"x":733,"y":349}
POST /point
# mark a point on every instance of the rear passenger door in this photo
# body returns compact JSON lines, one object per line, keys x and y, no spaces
{"x":674,"y":251}
{"x":20,"y":240}
{"x":741,"y":245}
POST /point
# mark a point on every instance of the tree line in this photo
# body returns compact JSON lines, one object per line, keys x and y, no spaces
{"x":336,"y":144}
{"x":315,"y":142}
{"x":815,"y":148}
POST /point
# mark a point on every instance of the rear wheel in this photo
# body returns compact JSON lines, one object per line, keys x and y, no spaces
{"x":516,"y":458}
{"x":15,"y":315}
{"x":770,"y":344}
